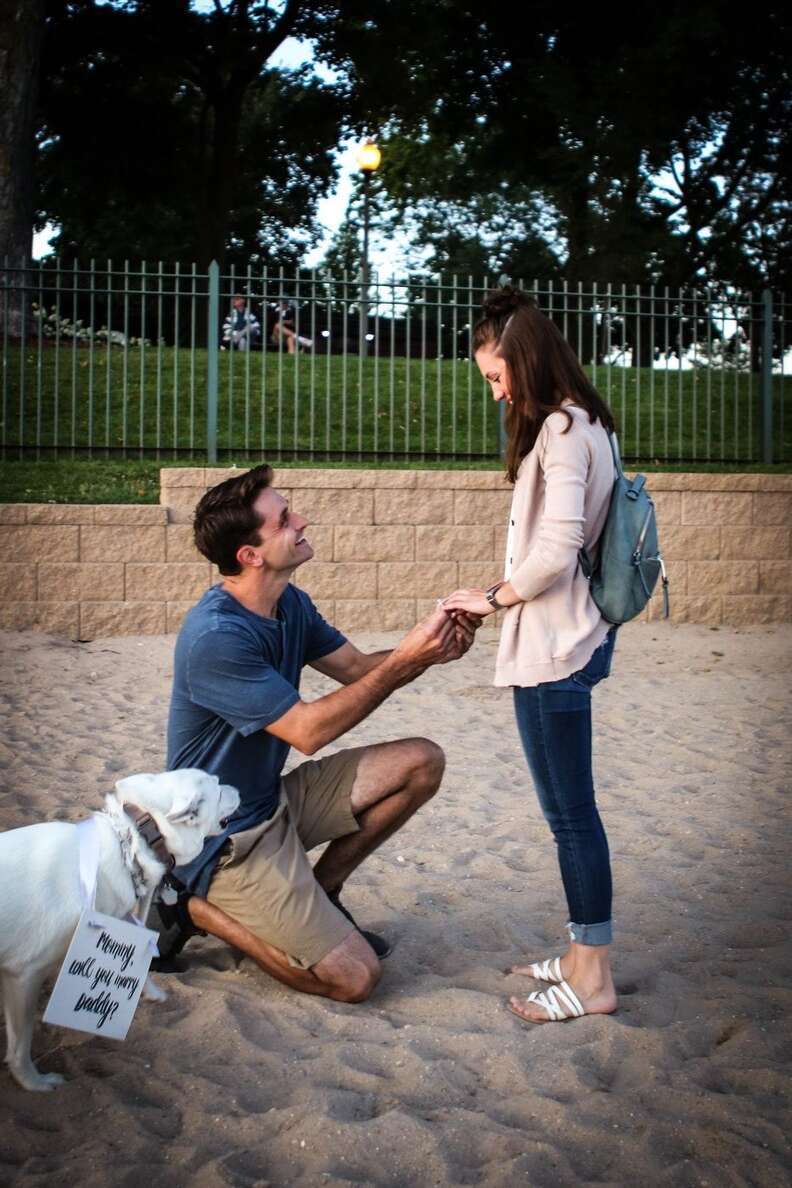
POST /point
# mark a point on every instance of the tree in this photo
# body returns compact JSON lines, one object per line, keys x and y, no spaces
{"x":585,"y":108}
{"x":345,"y":251}
{"x":165,"y":135}
{"x":729,"y":188}
{"x":490,"y":235}
{"x":20,"y":38}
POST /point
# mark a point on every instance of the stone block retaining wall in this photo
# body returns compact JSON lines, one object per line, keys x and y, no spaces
{"x":387,"y":543}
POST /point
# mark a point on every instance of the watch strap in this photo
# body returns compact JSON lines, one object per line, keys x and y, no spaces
{"x":491,"y":596}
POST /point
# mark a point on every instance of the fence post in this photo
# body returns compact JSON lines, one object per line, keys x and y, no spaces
{"x":212,"y":356}
{"x":767,"y":376}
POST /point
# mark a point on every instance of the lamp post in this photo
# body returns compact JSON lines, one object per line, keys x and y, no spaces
{"x":368,"y":159}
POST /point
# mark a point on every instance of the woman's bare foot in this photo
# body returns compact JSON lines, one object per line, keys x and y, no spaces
{"x":586,"y":970}
{"x":567,"y":961}
{"x":600,"y":1002}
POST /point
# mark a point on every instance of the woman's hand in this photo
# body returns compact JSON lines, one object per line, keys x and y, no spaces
{"x":473,"y":602}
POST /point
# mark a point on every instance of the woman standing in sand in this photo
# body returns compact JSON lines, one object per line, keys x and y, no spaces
{"x":555,"y":646}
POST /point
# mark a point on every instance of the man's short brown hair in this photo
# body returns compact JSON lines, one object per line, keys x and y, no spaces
{"x":225,"y":519}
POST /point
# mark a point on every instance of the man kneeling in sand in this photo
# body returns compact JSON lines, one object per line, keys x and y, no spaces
{"x":235,"y":711}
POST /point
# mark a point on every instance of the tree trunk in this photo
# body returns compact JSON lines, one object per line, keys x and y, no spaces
{"x":575,"y":205}
{"x":246,"y":43}
{"x":221,"y":178}
{"x":21,"y":24}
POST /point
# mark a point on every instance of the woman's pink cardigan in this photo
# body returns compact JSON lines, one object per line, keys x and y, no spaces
{"x":561,"y":500}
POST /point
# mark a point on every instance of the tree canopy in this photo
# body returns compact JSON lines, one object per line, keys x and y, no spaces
{"x":656,"y":148}
{"x":164,"y":133}
{"x":518,"y":139}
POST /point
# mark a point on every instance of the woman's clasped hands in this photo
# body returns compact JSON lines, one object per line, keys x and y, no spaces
{"x":468,"y":602}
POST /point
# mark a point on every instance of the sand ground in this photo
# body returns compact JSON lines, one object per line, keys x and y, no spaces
{"x":237,"y":1081}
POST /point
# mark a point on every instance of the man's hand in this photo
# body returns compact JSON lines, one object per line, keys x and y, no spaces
{"x":309,"y":726}
{"x":465,"y":628}
{"x":444,"y":636}
{"x":432,"y":641}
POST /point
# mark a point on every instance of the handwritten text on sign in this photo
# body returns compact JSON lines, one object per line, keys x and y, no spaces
{"x":102,"y":976}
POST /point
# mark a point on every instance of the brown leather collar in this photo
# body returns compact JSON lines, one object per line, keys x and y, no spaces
{"x":149,"y":830}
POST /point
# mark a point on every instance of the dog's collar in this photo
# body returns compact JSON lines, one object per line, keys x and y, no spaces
{"x":149,"y":830}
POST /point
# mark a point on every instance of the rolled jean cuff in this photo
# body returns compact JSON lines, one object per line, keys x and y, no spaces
{"x":591,"y":934}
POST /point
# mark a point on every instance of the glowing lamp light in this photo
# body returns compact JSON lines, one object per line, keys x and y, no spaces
{"x":369,"y":157}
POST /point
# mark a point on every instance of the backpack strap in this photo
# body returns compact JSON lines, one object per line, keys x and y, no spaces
{"x":617,"y":462}
{"x":583,"y":557}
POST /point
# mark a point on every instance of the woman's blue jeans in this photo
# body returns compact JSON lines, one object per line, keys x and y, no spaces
{"x":554,"y":721}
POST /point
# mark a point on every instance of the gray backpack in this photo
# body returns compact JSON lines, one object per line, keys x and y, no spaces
{"x":629,"y":561}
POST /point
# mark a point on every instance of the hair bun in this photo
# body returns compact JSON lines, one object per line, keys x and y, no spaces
{"x":501,"y":303}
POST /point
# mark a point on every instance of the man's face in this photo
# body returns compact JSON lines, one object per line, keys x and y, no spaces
{"x":281,"y":534}
{"x":239,"y":303}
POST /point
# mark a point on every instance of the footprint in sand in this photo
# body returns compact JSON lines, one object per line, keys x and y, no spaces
{"x":755,"y":936}
{"x":367,"y":1064}
{"x":345,"y":1105}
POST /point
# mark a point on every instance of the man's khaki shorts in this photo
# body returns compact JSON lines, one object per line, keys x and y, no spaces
{"x":264,"y":879}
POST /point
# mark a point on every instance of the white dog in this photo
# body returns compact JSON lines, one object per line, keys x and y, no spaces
{"x":150,"y":822}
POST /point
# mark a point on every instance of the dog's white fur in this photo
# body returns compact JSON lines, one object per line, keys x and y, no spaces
{"x":40,"y":887}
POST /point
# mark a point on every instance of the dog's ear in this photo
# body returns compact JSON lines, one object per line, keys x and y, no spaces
{"x":135,"y":785}
{"x":185,"y":808}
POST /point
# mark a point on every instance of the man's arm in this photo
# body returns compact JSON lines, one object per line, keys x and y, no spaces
{"x":347,"y":663}
{"x":309,"y":726}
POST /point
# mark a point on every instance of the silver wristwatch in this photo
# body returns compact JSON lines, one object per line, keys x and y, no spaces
{"x":491,"y":598}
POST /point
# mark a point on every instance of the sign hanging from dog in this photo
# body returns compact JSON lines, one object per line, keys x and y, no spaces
{"x":102,"y":976}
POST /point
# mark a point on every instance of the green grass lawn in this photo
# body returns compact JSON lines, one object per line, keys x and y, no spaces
{"x":118,"y":480}
{"x":144,"y":408}
{"x":280,"y":405}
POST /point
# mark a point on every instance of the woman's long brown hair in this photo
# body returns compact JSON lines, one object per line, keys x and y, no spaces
{"x":543,"y":370}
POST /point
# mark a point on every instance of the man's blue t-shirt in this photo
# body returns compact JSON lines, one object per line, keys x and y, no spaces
{"x":234,"y":673}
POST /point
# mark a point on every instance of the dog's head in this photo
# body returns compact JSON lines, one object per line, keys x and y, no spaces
{"x":188,"y":806}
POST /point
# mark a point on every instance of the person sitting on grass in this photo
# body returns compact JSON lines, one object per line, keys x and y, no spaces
{"x":241,"y":328}
{"x":284,"y":330}
{"x":236,"y":710}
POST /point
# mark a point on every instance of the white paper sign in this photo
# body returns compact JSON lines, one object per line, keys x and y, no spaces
{"x":102,"y":976}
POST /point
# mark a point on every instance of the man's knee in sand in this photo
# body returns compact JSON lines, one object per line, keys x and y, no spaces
{"x":350,"y":971}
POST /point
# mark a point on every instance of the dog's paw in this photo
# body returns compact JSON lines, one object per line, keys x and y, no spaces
{"x":153,"y":992}
{"x":35,"y":1081}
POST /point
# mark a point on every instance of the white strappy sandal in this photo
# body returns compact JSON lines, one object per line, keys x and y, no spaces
{"x":560,"y":1002}
{"x":547,"y":971}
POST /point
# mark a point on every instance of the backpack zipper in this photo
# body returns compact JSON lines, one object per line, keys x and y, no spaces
{"x":642,"y":536}
{"x":638,"y":561}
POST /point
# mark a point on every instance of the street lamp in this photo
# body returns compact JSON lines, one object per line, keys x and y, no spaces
{"x":368,"y":159}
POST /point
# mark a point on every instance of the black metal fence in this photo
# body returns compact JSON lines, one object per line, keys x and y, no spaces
{"x":108,"y":359}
